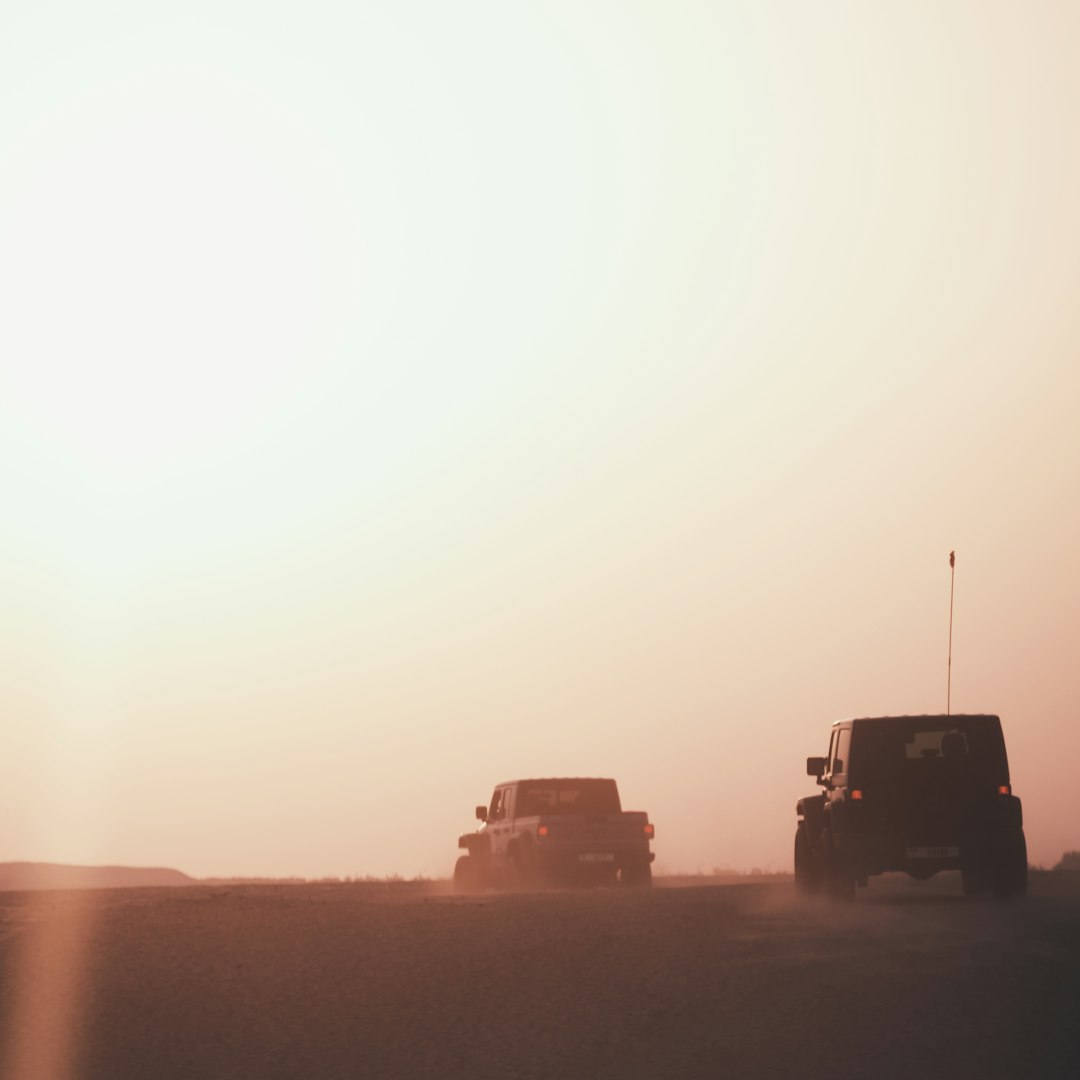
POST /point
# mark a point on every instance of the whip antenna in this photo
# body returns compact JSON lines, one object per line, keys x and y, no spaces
{"x":952,"y":583}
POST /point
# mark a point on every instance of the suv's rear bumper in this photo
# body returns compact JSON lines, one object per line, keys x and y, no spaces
{"x":923,"y":856}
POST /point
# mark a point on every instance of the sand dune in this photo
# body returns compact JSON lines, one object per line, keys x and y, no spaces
{"x":29,"y":875}
{"x":367,"y":980}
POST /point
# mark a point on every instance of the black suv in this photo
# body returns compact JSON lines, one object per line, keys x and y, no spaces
{"x":913,"y":793}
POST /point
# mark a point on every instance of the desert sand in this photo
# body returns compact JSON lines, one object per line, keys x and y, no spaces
{"x":406,"y":980}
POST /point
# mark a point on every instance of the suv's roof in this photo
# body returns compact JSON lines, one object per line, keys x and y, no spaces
{"x":947,"y":718}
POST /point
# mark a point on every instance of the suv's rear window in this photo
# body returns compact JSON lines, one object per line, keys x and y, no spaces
{"x":580,"y":797}
{"x":896,"y":747}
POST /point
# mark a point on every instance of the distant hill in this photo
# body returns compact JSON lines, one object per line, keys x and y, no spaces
{"x":17,"y":876}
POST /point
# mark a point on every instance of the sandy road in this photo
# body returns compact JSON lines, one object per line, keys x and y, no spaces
{"x":361,"y":981}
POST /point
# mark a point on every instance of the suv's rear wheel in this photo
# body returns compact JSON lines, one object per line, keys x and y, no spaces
{"x":1009,"y":872}
{"x":807,"y":870}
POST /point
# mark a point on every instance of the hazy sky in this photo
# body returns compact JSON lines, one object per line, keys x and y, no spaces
{"x":396,"y":399}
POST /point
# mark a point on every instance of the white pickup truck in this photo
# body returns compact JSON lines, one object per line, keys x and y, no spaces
{"x":554,"y":831}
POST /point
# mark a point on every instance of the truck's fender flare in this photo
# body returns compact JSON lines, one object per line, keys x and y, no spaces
{"x":477,"y":844}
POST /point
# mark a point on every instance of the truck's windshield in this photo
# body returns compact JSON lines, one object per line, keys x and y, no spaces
{"x":567,"y":797}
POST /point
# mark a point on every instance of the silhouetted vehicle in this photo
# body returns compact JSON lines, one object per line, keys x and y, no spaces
{"x":538,"y":832}
{"x":917,"y":794}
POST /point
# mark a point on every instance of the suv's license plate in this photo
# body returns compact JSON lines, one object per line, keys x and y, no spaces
{"x":596,"y":857}
{"x":933,"y":852}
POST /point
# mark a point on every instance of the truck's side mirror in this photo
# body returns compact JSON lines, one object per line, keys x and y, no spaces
{"x":815,"y":766}
{"x":481,"y":813}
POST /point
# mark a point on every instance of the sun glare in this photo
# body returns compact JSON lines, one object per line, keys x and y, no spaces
{"x":184,"y":265}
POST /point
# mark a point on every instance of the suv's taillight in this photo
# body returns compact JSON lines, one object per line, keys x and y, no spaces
{"x":650,"y":831}
{"x":541,"y":832}
{"x":856,"y":795}
{"x":1005,"y":789}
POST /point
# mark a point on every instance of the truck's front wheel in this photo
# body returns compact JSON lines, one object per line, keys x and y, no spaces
{"x":468,"y":876}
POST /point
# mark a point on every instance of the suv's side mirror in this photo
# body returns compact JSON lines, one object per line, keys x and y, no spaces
{"x":815,"y":766}
{"x":481,"y":813}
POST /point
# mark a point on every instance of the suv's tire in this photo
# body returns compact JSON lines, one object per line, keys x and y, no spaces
{"x":807,"y":868}
{"x":1009,"y":873}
